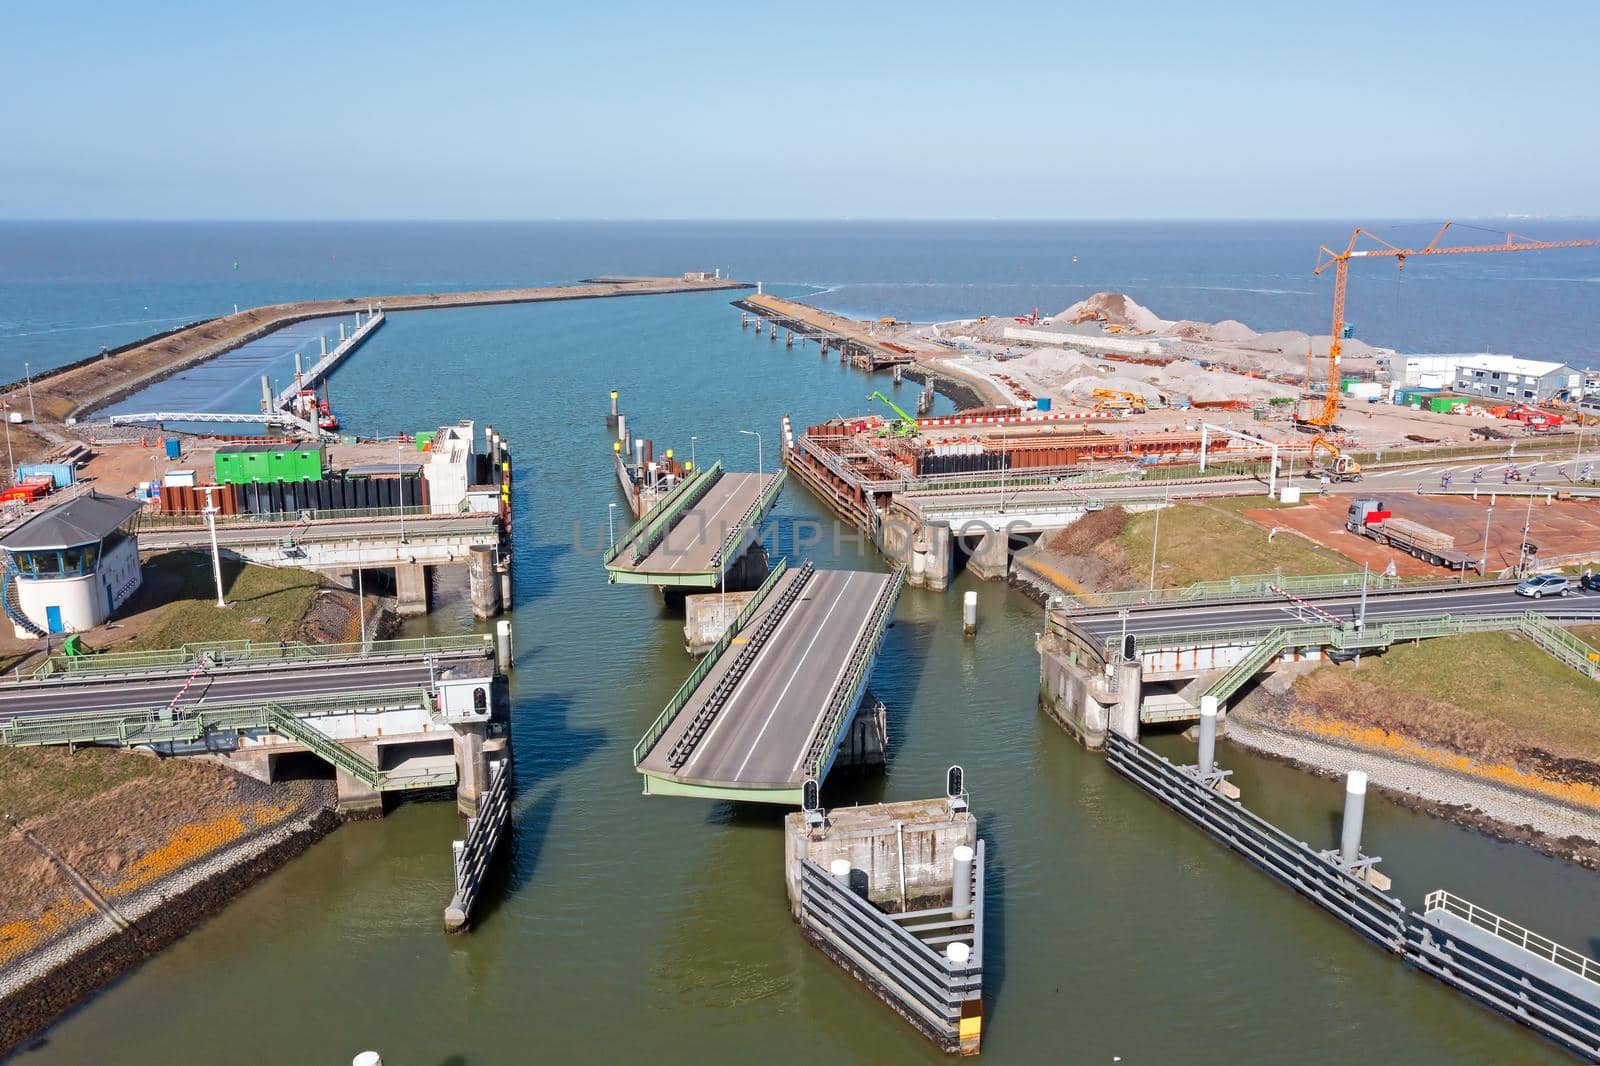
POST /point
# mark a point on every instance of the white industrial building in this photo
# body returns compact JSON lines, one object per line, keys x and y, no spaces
{"x":69,"y":567}
{"x":1505,"y":377}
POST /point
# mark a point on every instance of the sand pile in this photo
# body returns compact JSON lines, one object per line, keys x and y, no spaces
{"x":1117,"y":307}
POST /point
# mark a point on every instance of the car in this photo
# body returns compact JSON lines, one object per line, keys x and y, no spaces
{"x":1541,"y":585}
{"x":1590,"y":582}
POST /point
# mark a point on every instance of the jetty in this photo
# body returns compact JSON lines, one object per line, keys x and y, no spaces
{"x":80,"y":388}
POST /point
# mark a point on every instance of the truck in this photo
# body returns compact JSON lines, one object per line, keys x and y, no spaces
{"x":1368,"y":518}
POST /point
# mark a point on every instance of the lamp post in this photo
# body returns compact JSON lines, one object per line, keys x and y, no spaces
{"x":1483,"y":563}
{"x":760,"y":467}
{"x":1155,"y":540}
{"x":216,"y":556}
{"x":361,"y":608}
{"x":5,"y":411}
{"x":692,"y":463}
{"x":27,"y":372}
{"x":611,"y":527}
{"x":400,"y":477}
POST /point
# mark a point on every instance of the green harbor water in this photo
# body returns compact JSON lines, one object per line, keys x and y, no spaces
{"x":622,"y":928}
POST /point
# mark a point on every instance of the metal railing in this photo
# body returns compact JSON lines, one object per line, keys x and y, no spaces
{"x":1244,"y":586}
{"x":1511,"y":932}
{"x":828,"y":736}
{"x":681,"y":697}
{"x":247,"y":652}
{"x":473,"y":855}
{"x":658,"y":518}
{"x":749,"y":520}
{"x":154,"y":520}
{"x":135,"y":726}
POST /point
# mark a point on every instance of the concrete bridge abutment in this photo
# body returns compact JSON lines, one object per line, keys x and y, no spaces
{"x":411,"y":588}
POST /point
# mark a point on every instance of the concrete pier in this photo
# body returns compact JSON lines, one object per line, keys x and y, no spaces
{"x":483,"y":581}
{"x":411,"y":588}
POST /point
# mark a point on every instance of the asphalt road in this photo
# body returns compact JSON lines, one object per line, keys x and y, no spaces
{"x":760,"y":737}
{"x":1388,"y":606}
{"x":697,"y":534}
{"x":24,"y":699}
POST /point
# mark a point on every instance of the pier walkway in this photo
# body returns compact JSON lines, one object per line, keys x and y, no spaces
{"x":771,"y":704}
{"x":697,"y":532}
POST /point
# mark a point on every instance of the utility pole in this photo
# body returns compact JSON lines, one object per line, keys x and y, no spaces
{"x":216,"y":556}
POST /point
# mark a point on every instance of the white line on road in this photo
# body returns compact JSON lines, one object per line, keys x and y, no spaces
{"x":793,"y":674}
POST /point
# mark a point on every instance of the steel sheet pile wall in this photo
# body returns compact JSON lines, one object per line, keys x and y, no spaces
{"x":333,"y":494}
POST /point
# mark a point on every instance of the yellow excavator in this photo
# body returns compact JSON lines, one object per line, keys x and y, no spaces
{"x":1341,"y":466}
{"x":905,"y":425}
{"x":1120,"y":400}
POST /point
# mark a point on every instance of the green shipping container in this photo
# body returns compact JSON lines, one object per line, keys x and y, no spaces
{"x":253,"y":463}
{"x":424,"y":439}
{"x":1441,"y":405}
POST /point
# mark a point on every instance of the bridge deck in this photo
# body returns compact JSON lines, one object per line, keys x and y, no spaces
{"x":90,"y":694}
{"x":760,"y":739}
{"x":696,"y":537}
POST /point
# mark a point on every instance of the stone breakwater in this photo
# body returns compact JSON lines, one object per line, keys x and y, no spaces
{"x":39,"y":987}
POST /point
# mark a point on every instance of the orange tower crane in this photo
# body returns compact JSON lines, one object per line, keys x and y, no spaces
{"x":1340,"y":261}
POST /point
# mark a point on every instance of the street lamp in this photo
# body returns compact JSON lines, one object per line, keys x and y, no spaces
{"x":760,"y":467}
{"x":27,"y":372}
{"x":611,"y":529}
{"x":216,"y":556}
{"x":5,"y":411}
{"x":400,"y":477}
{"x":692,"y":464}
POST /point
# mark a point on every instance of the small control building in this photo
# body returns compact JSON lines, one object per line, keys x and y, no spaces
{"x":69,"y":567}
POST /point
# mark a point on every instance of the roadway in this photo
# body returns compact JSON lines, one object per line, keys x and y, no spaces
{"x":1381,"y":607}
{"x":116,"y":692}
{"x":698,"y":533}
{"x":760,"y":738}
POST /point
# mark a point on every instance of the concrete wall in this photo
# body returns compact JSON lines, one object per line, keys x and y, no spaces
{"x":871,"y":837}
{"x":1078,"y":699}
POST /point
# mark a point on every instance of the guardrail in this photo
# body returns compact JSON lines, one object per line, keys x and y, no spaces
{"x":247,"y":652}
{"x":842,"y":700}
{"x":135,"y":726}
{"x":656,"y":521}
{"x":750,"y":519}
{"x":156,"y":520}
{"x":473,"y":855}
{"x":1244,"y":586}
{"x":659,"y":727}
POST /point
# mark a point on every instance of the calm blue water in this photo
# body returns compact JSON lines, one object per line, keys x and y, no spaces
{"x":627,"y":929}
{"x":66,"y":289}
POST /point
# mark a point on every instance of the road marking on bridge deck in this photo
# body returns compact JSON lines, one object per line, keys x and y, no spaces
{"x":794,"y":674}
{"x":705,"y":741}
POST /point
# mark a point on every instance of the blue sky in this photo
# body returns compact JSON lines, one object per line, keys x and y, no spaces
{"x":820,"y":110}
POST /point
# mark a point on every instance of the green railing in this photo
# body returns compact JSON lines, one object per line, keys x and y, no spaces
{"x":751,"y":518}
{"x":883,"y":610}
{"x":681,"y":697}
{"x":665,"y":509}
{"x":325,"y":747}
{"x":132,"y":726}
{"x":154,"y":521}
{"x":241,"y":652}
{"x":1561,"y":643}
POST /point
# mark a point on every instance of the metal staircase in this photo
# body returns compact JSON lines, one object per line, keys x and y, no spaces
{"x":11,"y":603}
{"x":324,"y":746}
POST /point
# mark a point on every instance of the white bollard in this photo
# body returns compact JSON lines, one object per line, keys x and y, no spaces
{"x":840,"y":869}
{"x":367,"y":1058}
{"x":1355,"y":801}
{"x":957,"y":953}
{"x":1208,"y":734}
{"x":969,"y":612}
{"x":961,"y":881}
{"x":502,"y":643}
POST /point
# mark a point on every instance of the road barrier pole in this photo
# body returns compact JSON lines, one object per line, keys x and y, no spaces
{"x":1355,"y":801}
{"x":1208,"y":734}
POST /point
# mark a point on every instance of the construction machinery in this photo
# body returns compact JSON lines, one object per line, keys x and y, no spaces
{"x":1341,"y":467}
{"x":1340,"y":261}
{"x":1120,"y":400}
{"x":904,"y":425}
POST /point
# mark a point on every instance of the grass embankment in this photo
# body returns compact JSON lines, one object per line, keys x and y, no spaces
{"x":264,"y":603}
{"x":1210,"y":542}
{"x":1490,"y":696}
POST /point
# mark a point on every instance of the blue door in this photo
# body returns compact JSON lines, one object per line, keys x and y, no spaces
{"x":52,"y":620}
